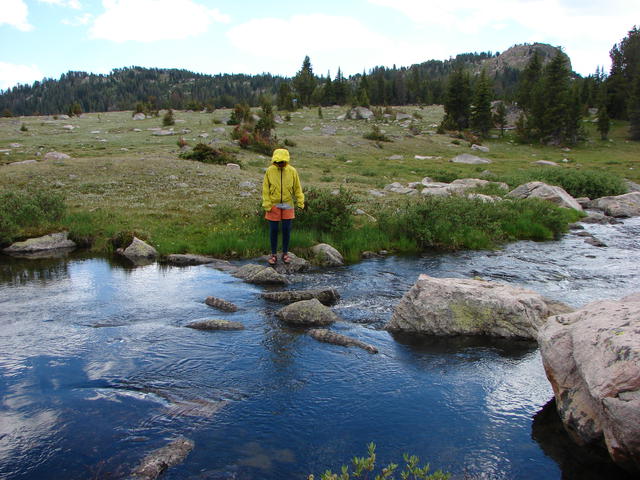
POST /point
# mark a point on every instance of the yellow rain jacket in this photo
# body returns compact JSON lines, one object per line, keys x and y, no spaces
{"x":281,"y":185}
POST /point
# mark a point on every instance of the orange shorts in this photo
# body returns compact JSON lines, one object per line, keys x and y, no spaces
{"x":276,"y":214}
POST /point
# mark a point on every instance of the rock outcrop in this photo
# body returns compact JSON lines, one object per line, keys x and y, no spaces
{"x":326,"y":296}
{"x":592,"y":359}
{"x":154,"y":464}
{"x":327,"y":336}
{"x":54,"y":241}
{"x":215,"y":324}
{"x":627,"y":205}
{"x":307,"y":313}
{"x":455,"y":306}
{"x":543,"y":191}
{"x":327,"y":256}
{"x":139,"y":252}
{"x":221,"y":304}
{"x":260,"y":275}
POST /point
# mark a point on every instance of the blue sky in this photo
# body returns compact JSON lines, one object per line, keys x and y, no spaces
{"x":45,"y":38}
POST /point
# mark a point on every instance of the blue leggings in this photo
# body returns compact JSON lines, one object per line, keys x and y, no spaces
{"x":273,"y":235}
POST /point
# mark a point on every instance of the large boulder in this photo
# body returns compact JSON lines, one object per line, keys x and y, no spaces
{"x":307,"y":313}
{"x":326,"y":296}
{"x":327,"y":256}
{"x":627,"y":205}
{"x":592,"y":359}
{"x":54,"y":241}
{"x":456,"y":306}
{"x":139,"y":252}
{"x":327,"y":336}
{"x":56,"y":156}
{"x":360,"y":113}
{"x":550,"y":193}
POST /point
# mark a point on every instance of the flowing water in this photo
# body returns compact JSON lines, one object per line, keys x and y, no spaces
{"x":97,"y":370}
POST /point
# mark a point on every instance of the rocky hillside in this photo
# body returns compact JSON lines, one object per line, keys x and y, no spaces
{"x":518,"y":56}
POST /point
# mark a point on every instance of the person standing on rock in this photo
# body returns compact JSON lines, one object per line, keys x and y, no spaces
{"x":280,"y":190}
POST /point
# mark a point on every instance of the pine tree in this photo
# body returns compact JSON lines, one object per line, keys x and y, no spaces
{"x":634,"y":109}
{"x":285,"y":99}
{"x":625,"y":64}
{"x":362,"y":94}
{"x":457,"y":106}
{"x":168,"y":119}
{"x":481,"y":118}
{"x":305,"y":82}
{"x":340,"y":89}
{"x":328,"y":96}
{"x":554,"y":95}
{"x":500,"y":117}
{"x":604,"y":123}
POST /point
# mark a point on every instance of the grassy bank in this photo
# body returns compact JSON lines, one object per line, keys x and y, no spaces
{"x":121,"y":179}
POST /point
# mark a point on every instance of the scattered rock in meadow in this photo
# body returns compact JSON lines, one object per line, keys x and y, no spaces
{"x":620,"y":206}
{"x":247,"y":185}
{"x":550,"y":193}
{"x":215,"y":324}
{"x":469,"y":159}
{"x":326,"y":296}
{"x":68,"y":127}
{"x":426,"y":157}
{"x":329,"y":130}
{"x":307,"y":313}
{"x":592,"y":360}
{"x":233,"y":166}
{"x":307,"y":129}
{"x":403,"y":116}
{"x":546,"y":163}
{"x":139,"y":252}
{"x":139,"y":116}
{"x":162,"y":133}
{"x":56,"y":156}
{"x":24,"y":162}
{"x":15,"y":145}
{"x":395,"y":157}
{"x":221,"y":304}
{"x":54,"y":241}
{"x":480,"y":148}
{"x":376,"y":193}
{"x":327,"y":336}
{"x":327,"y":256}
{"x":457,"y":306}
{"x":360,"y":113}
{"x":158,"y":461}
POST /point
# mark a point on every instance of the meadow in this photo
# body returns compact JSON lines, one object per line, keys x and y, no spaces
{"x":121,"y":180}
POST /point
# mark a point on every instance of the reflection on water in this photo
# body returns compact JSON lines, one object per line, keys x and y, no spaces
{"x":97,"y":369}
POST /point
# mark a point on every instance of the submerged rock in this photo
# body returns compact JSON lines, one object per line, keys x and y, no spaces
{"x":154,"y":464}
{"x":307,"y":313}
{"x":455,"y":306}
{"x":327,"y":336}
{"x":592,"y":360}
{"x":326,"y":296}
{"x":221,"y":304}
{"x":54,"y":241}
{"x":183,"y":260}
{"x":215,"y":324}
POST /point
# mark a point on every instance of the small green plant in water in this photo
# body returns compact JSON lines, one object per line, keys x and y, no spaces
{"x":363,"y":467}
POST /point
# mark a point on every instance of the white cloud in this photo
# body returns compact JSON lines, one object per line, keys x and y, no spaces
{"x":586,"y":28}
{"x":281,"y":45}
{"x":78,"y":21}
{"x":153,"y":20}
{"x":11,"y":74}
{"x":75,"y":4}
{"x":14,"y":13}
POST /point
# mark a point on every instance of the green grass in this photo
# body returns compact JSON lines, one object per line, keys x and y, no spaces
{"x":135,"y":182}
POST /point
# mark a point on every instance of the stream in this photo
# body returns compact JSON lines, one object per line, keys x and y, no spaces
{"x":97,"y":369}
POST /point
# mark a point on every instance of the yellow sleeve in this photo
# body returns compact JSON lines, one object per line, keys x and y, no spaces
{"x":266,"y":200}
{"x":297,"y":191}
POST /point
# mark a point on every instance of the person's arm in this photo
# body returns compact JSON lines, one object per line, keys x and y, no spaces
{"x":297,"y":190}
{"x":266,"y":200}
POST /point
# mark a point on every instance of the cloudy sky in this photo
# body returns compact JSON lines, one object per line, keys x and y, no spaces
{"x":45,"y":38}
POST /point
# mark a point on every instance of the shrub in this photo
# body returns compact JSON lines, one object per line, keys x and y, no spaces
{"x":23,"y":128}
{"x":377,"y":135}
{"x":168,"y":119}
{"x":207,"y":154}
{"x":362,"y":466}
{"x":289,"y":143}
{"x":27,"y":209}
{"x":327,"y":212}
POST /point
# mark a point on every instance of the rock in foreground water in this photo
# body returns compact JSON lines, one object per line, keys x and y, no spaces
{"x":139,"y":252}
{"x":592,"y":359}
{"x":260,"y":275}
{"x":327,"y":296}
{"x":54,"y":241}
{"x":215,"y":324}
{"x":455,"y":306}
{"x":327,"y":255}
{"x":307,"y":313}
{"x":327,"y":336}
{"x":154,"y":464}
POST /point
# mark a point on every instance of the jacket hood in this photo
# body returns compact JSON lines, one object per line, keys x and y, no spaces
{"x":280,"y":155}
